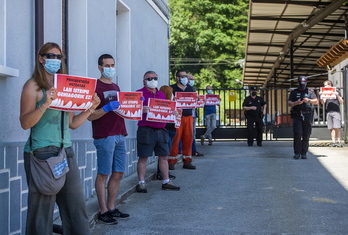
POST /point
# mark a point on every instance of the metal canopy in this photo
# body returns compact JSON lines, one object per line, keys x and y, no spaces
{"x":310,"y":28}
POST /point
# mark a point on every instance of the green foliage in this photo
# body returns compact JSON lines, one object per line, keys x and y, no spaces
{"x":207,"y":38}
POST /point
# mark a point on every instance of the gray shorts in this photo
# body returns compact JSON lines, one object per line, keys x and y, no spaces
{"x":333,"y":120}
{"x":150,"y":140}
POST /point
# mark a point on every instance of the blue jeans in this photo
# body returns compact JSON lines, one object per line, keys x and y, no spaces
{"x":111,"y":154}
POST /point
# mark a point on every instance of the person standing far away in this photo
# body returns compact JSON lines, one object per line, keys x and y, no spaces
{"x":152,"y":137}
{"x":191,"y":82}
{"x":209,"y":118}
{"x":254,"y":108}
{"x":109,"y":133}
{"x":45,"y":142}
{"x":301,"y":101}
{"x":333,"y":115}
{"x":185,"y":131}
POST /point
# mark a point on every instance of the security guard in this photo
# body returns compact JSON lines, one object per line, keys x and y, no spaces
{"x":254,"y":109}
{"x":301,"y":101}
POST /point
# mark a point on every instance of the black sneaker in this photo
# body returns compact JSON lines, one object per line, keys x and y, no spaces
{"x":116,"y":213}
{"x":339,"y":144}
{"x":332,"y":144}
{"x":106,"y":218}
{"x":202,"y":140}
{"x":198,"y":154}
{"x":303,"y":156}
{"x":141,"y":188}
{"x":189,"y":166}
{"x":297,"y":156}
{"x":170,"y":186}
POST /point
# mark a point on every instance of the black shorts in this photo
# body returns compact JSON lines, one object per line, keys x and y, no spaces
{"x":150,"y":140}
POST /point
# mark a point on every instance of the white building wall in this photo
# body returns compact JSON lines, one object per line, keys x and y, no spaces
{"x":134,"y":32}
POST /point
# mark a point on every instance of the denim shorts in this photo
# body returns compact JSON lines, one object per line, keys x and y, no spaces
{"x":111,"y":154}
{"x":150,"y":140}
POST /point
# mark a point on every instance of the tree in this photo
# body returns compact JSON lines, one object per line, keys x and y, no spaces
{"x":207,"y":39}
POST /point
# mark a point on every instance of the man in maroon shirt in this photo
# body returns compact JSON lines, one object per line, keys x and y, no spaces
{"x":109,"y":133}
{"x":152,"y":137}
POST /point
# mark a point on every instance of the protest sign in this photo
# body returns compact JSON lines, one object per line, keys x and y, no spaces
{"x":201,"y":101}
{"x":212,"y":99}
{"x":186,"y":100}
{"x":178,"y":119}
{"x":74,"y":93}
{"x":161,"y":110}
{"x":327,"y":92}
{"x":131,"y":105}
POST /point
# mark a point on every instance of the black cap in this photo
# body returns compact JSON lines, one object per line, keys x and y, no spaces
{"x":302,"y":79}
{"x":253,"y":88}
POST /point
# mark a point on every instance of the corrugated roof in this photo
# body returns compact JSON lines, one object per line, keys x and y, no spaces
{"x":310,"y":28}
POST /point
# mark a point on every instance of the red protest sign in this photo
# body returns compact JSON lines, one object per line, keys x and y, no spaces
{"x":201,"y":101}
{"x":161,"y":110}
{"x":74,"y":93}
{"x":186,"y":100}
{"x":327,"y":92}
{"x":131,"y":105}
{"x":212,"y":99}
{"x":178,"y":119}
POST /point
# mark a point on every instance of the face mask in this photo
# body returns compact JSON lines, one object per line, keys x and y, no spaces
{"x":210,"y":92}
{"x":183,"y":81}
{"x":191,"y":82}
{"x":151,"y":84}
{"x":52,"y":65}
{"x":109,"y":72}
{"x":302,"y":86}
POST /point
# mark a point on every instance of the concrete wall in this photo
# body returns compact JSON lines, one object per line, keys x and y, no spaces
{"x":134,"y":32}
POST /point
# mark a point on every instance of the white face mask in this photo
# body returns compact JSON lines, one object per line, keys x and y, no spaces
{"x":183,"y":81}
{"x":109,"y":72}
{"x":152,"y":84}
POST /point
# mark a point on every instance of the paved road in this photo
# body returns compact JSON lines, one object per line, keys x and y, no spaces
{"x":245,"y":190}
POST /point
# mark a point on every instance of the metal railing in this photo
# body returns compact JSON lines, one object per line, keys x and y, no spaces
{"x":230,"y":113}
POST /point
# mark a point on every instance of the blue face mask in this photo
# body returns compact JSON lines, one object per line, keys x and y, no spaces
{"x":52,"y":65}
{"x":109,"y":72}
{"x":191,"y":82}
{"x":210,"y":92}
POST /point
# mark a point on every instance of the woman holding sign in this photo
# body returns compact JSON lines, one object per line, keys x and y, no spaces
{"x":332,"y":101}
{"x":48,"y":126}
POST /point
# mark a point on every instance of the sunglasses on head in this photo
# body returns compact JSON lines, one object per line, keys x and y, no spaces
{"x":52,"y":56}
{"x":152,"y":78}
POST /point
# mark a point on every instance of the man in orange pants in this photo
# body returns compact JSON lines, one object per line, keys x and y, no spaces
{"x":185,"y":131}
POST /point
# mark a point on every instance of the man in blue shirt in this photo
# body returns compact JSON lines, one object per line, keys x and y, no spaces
{"x":210,"y":119}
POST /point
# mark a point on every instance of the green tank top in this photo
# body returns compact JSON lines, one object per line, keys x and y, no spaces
{"x":47,"y":132}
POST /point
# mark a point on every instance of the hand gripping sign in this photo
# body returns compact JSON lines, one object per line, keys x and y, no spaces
{"x":327,"y":92}
{"x":131,"y":105}
{"x":74,"y":93}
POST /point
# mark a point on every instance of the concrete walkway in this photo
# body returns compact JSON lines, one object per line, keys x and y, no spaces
{"x":240,"y":190}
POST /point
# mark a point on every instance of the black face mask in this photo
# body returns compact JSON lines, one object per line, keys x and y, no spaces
{"x":254,"y":93}
{"x":302,"y":86}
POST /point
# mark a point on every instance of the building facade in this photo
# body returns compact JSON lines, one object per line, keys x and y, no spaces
{"x":135,"y":32}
